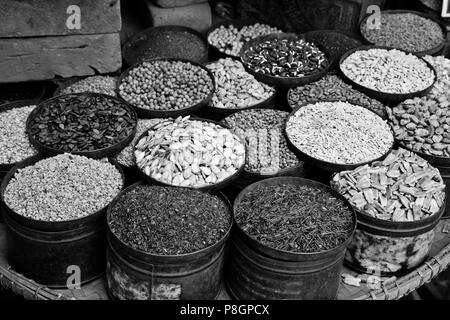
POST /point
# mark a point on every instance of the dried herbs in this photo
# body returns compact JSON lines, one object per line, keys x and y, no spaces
{"x":169,"y":221}
{"x":82,"y":122}
{"x":301,"y":219}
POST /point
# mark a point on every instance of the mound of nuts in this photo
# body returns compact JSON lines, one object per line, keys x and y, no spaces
{"x":14,"y":144}
{"x":235,"y":87}
{"x":285,"y":58}
{"x":262,"y":129}
{"x":406,"y":31}
{"x":166,"y":85}
{"x":230,"y":40}
{"x":189,"y":153}
{"x":423,"y":124}
{"x":403,"y":187}
{"x":388,"y":71}
{"x":339,"y":133}
{"x":331,"y":87}
{"x":98,"y":84}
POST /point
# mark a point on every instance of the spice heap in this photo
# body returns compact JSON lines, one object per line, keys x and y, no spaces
{"x":166,"y":44}
{"x":403,"y":187}
{"x":14,"y":143}
{"x":406,"y":31}
{"x":301,"y":219}
{"x":166,"y":85}
{"x":126,"y":157}
{"x":267,"y":151}
{"x":285,"y":58}
{"x":336,"y":43}
{"x":235,"y":87}
{"x":388,"y":71}
{"x":98,"y":84}
{"x":82,"y":122}
{"x":423,"y":124}
{"x":230,"y":40}
{"x":169,"y":221}
{"x":331,"y":87}
{"x":189,"y":153}
{"x":63,"y":188}
{"x":339,"y":133}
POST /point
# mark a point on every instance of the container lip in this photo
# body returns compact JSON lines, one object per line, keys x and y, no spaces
{"x":13,"y":105}
{"x":160,"y":256}
{"x":211,"y":187}
{"x":288,"y":81}
{"x":430,"y":51}
{"x":385,"y":97}
{"x":238,"y":23}
{"x":294,"y":255}
{"x":98,"y":153}
{"x":329,"y":165}
{"x":143,"y":34}
{"x":42,"y":224}
{"x":154,"y":113}
{"x":259,"y":175}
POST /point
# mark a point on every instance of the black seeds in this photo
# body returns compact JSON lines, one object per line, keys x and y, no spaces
{"x":169,"y":221}
{"x":300,"y":219}
{"x":82,"y":122}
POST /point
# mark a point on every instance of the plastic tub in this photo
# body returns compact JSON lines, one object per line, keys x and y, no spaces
{"x":136,"y":275}
{"x":210,"y":188}
{"x":283,"y":81}
{"x":44,"y":251}
{"x":99,"y":153}
{"x":256,"y":271}
{"x":388,"y":98}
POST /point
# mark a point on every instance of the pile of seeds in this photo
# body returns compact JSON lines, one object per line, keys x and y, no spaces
{"x":285,"y":58}
{"x":167,"y":44}
{"x":62,"y":188}
{"x":236,"y":88}
{"x":267,"y":151}
{"x":403,"y":187}
{"x":230,"y":40}
{"x":423,"y":124}
{"x":388,"y":71}
{"x":166,"y":85}
{"x":435,"y":5}
{"x":126,"y":157}
{"x":14,"y":143}
{"x":333,"y":88}
{"x":336,"y":43}
{"x":339,"y":133}
{"x":189,"y":153}
{"x":82,"y":122}
{"x":169,"y":221}
{"x":406,"y":31}
{"x":302,"y":219}
{"x":98,"y":84}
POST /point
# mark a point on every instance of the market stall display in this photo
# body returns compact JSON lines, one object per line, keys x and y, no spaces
{"x":267,"y":151}
{"x":90,"y":124}
{"x":55,"y":210}
{"x":388,"y":75}
{"x":236,"y":89}
{"x":227,"y":38}
{"x":411,"y":31}
{"x":329,"y":88}
{"x":399,"y":201}
{"x":282,"y":224}
{"x":337,"y":136}
{"x":175,"y":235}
{"x":166,"y":87}
{"x":175,"y":42}
{"x":97,"y":84}
{"x":285,"y":60}
{"x":190,"y":153}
